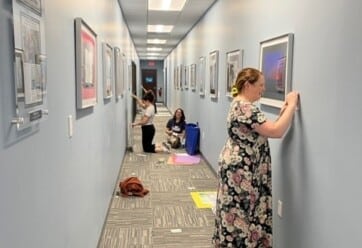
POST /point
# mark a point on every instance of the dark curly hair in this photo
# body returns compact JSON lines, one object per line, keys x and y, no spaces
{"x":182,"y":115}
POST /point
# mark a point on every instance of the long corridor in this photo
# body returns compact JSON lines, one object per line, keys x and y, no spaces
{"x":166,"y":217}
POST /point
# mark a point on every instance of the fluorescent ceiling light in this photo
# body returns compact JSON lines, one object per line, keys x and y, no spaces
{"x":166,"y":5}
{"x":156,"y":41}
{"x":154,"y":58}
{"x":155,"y":49}
{"x":153,"y":54}
{"x":159,"y":28}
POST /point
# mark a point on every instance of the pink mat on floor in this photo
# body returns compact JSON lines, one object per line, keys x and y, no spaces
{"x":183,"y":159}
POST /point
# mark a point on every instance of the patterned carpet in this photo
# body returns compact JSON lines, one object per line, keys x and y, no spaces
{"x":167,"y":217}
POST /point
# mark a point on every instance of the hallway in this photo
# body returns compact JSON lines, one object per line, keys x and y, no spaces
{"x":156,"y":220}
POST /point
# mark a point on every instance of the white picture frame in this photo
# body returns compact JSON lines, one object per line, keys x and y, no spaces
{"x":234,"y":64}
{"x":201,"y":74}
{"x":86,"y":64}
{"x":107,"y":68}
{"x":193,"y":77}
{"x":214,"y":73}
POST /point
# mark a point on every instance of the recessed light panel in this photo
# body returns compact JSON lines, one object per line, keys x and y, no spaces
{"x":155,"y":49}
{"x":156,"y":41}
{"x":159,"y":28}
{"x":166,"y":5}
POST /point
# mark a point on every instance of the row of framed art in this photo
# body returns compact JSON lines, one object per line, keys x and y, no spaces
{"x":30,"y":64}
{"x":275,"y":61}
{"x":114,"y":66}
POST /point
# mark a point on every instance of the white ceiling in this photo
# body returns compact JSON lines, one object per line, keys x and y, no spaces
{"x":137,"y":17}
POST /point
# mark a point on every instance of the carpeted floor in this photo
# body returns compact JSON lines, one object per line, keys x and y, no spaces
{"x":166,"y":217}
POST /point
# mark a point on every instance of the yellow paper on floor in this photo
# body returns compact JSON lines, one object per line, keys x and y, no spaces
{"x":206,"y":199}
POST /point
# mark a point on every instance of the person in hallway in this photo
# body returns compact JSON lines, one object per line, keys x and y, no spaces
{"x":140,"y":102}
{"x":175,"y":129}
{"x":244,"y":195}
{"x":145,"y":91}
{"x":146,"y":123}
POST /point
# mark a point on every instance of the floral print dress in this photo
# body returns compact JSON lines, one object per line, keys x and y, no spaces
{"x":244,"y":197}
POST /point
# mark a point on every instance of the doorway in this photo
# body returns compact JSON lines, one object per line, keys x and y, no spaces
{"x":149,"y":81}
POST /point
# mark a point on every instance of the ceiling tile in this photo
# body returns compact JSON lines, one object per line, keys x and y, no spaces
{"x":137,"y":17}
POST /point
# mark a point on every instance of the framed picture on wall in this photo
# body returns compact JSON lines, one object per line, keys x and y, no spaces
{"x":193,"y":77}
{"x":201,"y":74}
{"x":118,"y":71}
{"x":19,"y":73}
{"x":213,"y":72}
{"x":276,"y":56}
{"x":125,"y":72}
{"x":181,"y":76}
{"x":233,"y":65}
{"x":186,"y":80}
{"x":31,"y":44}
{"x":30,"y":64}
{"x":175,"y":78}
{"x":86,"y":64}
{"x":107,"y":55}
{"x":34,"y":5}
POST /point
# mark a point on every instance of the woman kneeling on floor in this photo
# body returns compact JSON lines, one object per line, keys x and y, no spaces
{"x":146,"y":123}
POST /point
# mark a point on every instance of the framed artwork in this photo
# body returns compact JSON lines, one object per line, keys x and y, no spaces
{"x":186,"y":78}
{"x":34,"y":5}
{"x":31,"y":43}
{"x":19,"y":74}
{"x":193,"y":77}
{"x":233,"y":65}
{"x":124,"y":72}
{"x":30,"y":64}
{"x":181,"y":76}
{"x":213,"y":71}
{"x":201,"y":78}
{"x":107,"y":54}
{"x":175,"y":78}
{"x":86,"y":64}
{"x":119,"y":71}
{"x":276,"y":56}
{"x":40,"y":60}
{"x":165,"y":76}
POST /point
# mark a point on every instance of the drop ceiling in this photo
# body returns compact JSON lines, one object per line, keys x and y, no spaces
{"x":137,"y":17}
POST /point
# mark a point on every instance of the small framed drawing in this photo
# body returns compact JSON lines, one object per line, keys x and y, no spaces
{"x":193,"y":77}
{"x":107,"y":54}
{"x":118,"y":66}
{"x":201,"y":78}
{"x":233,"y":64}
{"x":181,"y":76}
{"x":32,"y":47}
{"x":86,"y":64}
{"x":214,"y":69}
{"x":34,"y":5}
{"x":175,"y":78}
{"x":186,"y":78}
{"x":276,"y":56}
{"x":19,"y":74}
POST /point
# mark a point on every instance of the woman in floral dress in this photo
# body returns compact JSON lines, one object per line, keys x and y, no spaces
{"x":244,"y":198}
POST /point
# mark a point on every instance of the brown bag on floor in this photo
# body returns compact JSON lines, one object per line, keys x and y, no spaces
{"x":132,"y":186}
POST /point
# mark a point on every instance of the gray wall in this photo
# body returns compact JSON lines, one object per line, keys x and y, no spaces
{"x":54,"y":190}
{"x":316,"y":167}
